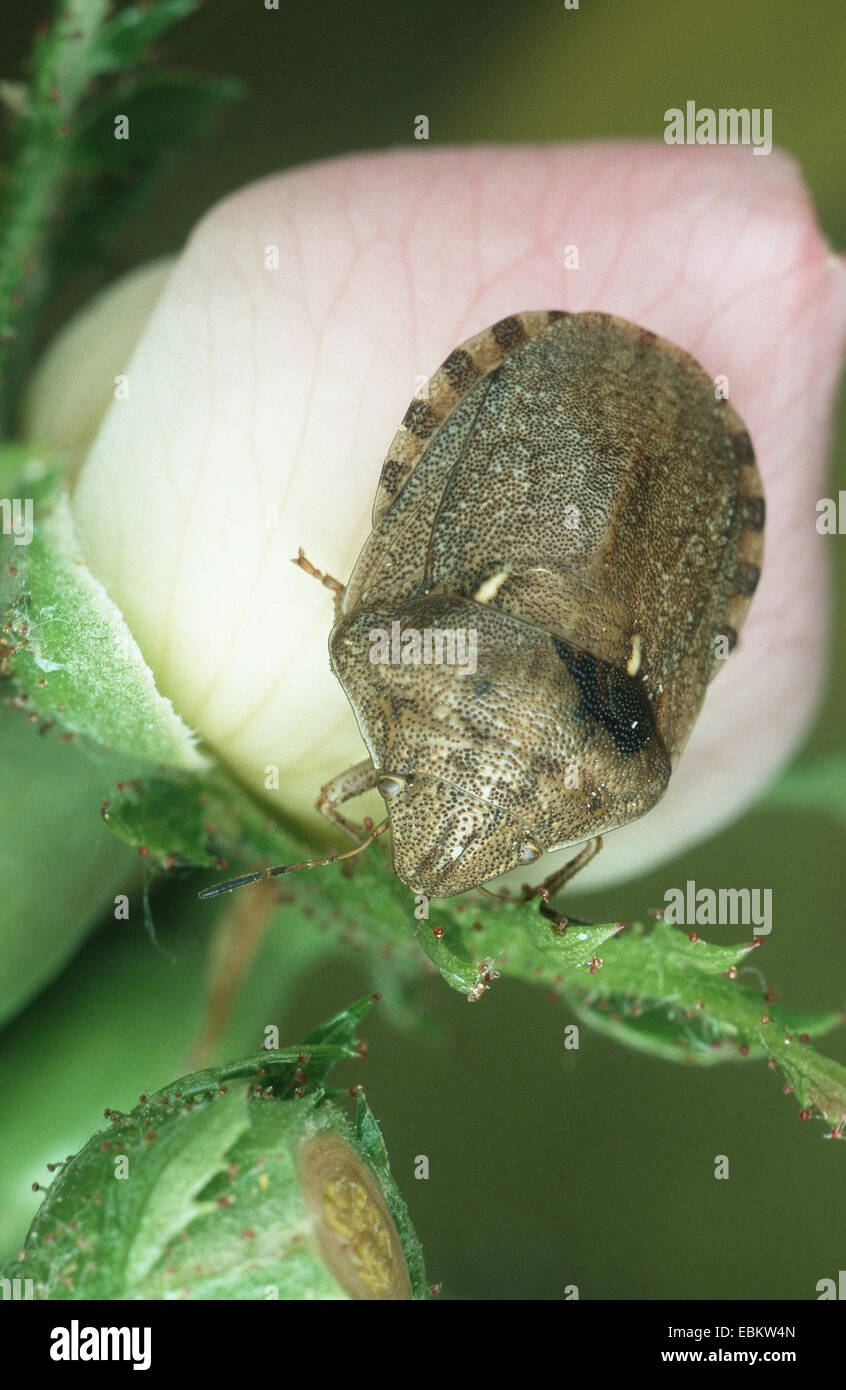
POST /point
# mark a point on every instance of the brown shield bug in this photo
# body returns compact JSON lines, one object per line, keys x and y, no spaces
{"x":567,"y":534}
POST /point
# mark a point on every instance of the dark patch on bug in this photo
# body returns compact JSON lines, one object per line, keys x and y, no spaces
{"x":729,"y":635}
{"x":482,"y":688}
{"x":392,"y":470}
{"x":555,"y":314}
{"x":508,"y":334}
{"x":459,"y":369}
{"x":420,"y":419}
{"x":610,"y":697}
{"x":743,"y":451}
{"x":754,"y":513}
{"x":746,"y":578}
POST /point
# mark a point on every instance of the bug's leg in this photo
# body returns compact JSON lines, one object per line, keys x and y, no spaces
{"x":551,"y":885}
{"x":344,"y":787}
{"x":503,"y":896}
{"x":556,"y":881}
{"x":327,"y":580}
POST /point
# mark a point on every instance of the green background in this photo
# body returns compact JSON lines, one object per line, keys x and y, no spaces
{"x":547,"y":1167}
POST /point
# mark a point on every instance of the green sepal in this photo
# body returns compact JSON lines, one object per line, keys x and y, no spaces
{"x":69,"y":650}
{"x":196,"y":1193}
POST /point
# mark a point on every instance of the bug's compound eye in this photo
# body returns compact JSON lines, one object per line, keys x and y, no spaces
{"x":529,"y":853}
{"x":390,"y":786}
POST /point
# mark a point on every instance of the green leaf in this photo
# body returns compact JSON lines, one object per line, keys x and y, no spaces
{"x":815,"y":1023}
{"x":514,"y":939}
{"x":72,"y":656}
{"x":165,"y":818}
{"x":657,"y":1028}
{"x":341,"y":1033}
{"x":369,"y":1137}
{"x":115,"y":177}
{"x":695,"y":1035}
{"x":125,"y":39}
{"x":371,"y":1145}
{"x":159,"y":106}
{"x":693,"y":1013}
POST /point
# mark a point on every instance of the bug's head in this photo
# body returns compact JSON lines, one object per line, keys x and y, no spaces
{"x":446,"y":841}
{"x":535,"y":744}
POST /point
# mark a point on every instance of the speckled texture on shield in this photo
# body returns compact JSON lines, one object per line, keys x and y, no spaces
{"x":592,"y":460}
{"x":574,"y":491}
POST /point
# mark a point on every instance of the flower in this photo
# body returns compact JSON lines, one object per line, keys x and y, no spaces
{"x":283,"y":347}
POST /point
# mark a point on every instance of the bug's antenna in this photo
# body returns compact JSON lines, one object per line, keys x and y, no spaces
{"x":231,"y":883}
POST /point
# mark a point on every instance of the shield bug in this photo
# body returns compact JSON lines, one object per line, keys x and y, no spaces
{"x":567,"y":534}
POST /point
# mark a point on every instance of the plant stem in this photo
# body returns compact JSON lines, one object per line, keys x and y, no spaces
{"x":34,"y":181}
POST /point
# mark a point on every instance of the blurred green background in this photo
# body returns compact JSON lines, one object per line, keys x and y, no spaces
{"x":548,"y":1167}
